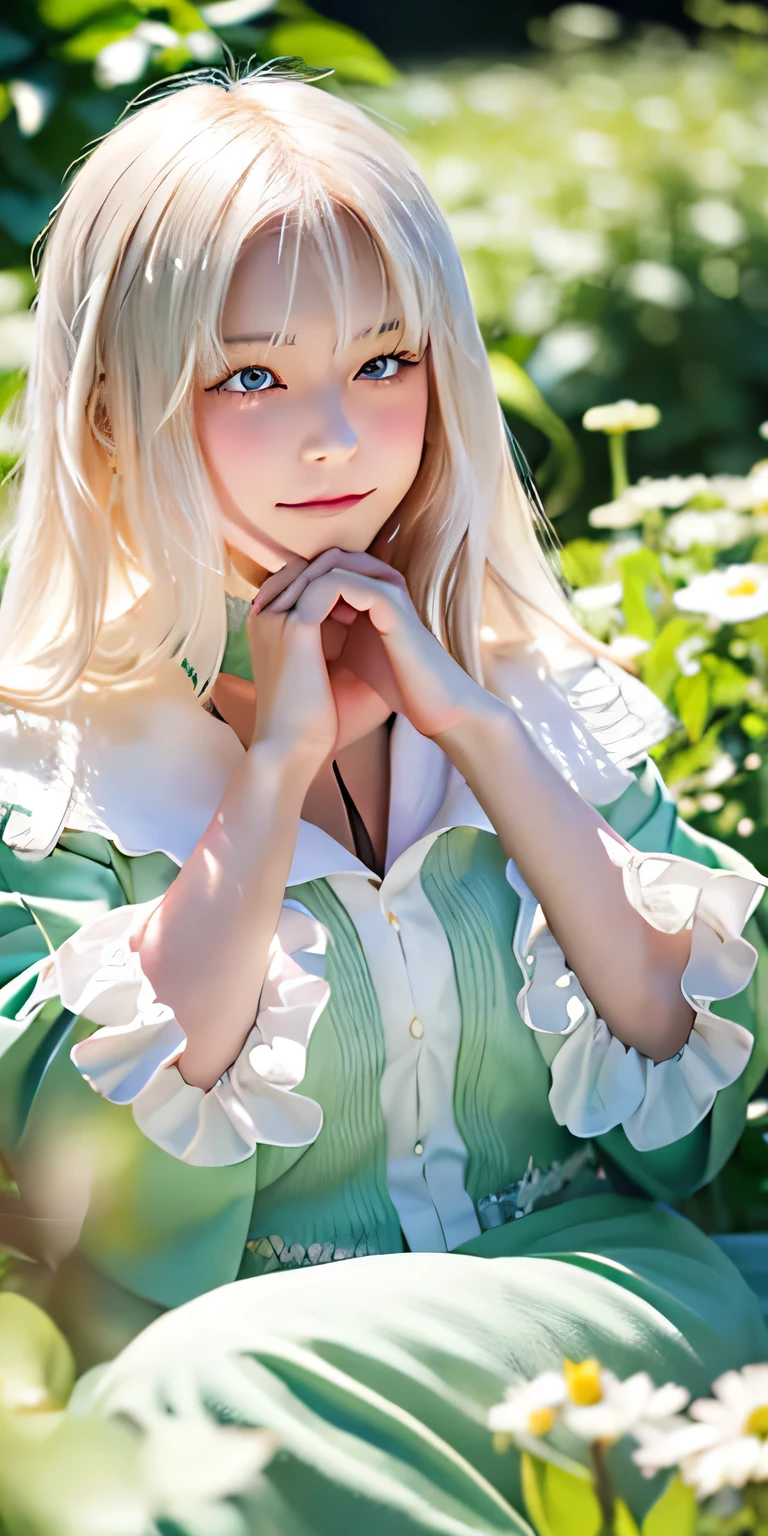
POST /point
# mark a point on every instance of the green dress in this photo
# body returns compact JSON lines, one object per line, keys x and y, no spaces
{"x":193,"y":1261}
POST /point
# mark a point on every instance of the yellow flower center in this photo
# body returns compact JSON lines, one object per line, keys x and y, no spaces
{"x":582,"y":1382}
{"x":745,"y":588}
{"x":540,"y":1421}
{"x":757,"y":1423}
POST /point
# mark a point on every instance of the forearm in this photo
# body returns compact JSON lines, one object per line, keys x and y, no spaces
{"x":205,"y":948}
{"x":630,"y":971}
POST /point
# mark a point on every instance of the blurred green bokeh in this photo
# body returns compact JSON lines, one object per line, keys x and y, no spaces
{"x":608,"y":193}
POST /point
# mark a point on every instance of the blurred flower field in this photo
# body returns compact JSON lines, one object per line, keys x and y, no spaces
{"x":607,"y":189}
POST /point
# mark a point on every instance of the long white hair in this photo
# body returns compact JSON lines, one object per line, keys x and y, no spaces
{"x":136,"y":265}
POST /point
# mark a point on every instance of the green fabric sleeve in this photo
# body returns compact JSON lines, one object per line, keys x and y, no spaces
{"x":157,"y":1227}
{"x":646,"y":816}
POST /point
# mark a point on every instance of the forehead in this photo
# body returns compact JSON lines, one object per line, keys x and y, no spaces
{"x":259,"y":295}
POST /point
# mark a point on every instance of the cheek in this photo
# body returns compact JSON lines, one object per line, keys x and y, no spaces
{"x":399,"y":425}
{"x":229,"y":433}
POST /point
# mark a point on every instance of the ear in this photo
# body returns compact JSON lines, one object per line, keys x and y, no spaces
{"x":99,"y":418}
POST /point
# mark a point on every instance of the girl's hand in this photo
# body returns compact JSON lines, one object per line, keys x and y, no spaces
{"x":386,"y":645}
{"x":295,"y":708}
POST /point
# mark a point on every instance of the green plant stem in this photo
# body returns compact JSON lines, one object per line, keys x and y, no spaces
{"x":617,"y":449}
{"x":603,"y":1488}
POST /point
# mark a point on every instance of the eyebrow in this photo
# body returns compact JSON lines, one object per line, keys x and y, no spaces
{"x":262,"y":336}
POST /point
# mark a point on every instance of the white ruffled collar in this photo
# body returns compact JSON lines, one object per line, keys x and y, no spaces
{"x":146,"y":766}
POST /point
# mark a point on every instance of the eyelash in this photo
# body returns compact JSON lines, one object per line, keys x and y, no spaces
{"x":400,"y":357}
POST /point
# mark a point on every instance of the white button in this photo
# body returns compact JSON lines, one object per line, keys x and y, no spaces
{"x":418,"y":1149}
{"x":416,"y":1028}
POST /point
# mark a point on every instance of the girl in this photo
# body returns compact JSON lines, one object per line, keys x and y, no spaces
{"x":360,"y":926}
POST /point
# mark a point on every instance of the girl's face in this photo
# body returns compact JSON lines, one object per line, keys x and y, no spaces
{"x":307,"y":446}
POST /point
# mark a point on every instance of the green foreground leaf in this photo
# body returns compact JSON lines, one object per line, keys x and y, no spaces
{"x":674,"y":1514}
{"x":560,"y":475}
{"x":329,"y":45}
{"x":558,"y":1502}
{"x":37,"y":1371}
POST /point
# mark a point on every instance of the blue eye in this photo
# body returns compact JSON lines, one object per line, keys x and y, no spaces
{"x":248,"y":381}
{"x":386,"y":358}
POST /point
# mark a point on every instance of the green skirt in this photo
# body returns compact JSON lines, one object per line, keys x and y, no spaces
{"x":377,"y":1373}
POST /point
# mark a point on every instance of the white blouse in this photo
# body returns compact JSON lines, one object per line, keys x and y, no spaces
{"x":592,"y":726}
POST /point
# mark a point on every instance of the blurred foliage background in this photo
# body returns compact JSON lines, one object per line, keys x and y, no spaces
{"x":604,"y":172}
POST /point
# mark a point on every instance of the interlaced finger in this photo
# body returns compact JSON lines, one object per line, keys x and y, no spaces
{"x":333,"y":559}
{"x":277,"y":582}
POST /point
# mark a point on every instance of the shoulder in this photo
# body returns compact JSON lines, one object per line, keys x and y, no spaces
{"x":144,"y":765}
{"x":596,"y":720}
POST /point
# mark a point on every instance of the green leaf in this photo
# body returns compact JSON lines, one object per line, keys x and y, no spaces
{"x":184,"y":17}
{"x":67,"y":15}
{"x":728,"y":683}
{"x":582,"y":562}
{"x":640,"y":570}
{"x":88,"y":43}
{"x":658,"y":666}
{"x":674,"y":1514}
{"x":330,"y":45}
{"x":683,"y":763}
{"x":11,"y":385}
{"x":704,"y":501}
{"x":559,"y":1503}
{"x":624,"y":1523}
{"x":73,"y":1479}
{"x":532,"y":1478}
{"x":692,"y":700}
{"x":37,"y":1371}
{"x":561,"y":473}
{"x":753,"y":725}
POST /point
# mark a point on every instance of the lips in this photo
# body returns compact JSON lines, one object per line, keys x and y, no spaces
{"x":328,"y":501}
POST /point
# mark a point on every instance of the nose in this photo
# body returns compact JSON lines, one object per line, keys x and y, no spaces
{"x":331,"y":438}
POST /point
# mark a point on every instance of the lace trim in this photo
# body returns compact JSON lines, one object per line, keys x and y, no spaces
{"x":298,"y":1257}
{"x":519,"y":1199}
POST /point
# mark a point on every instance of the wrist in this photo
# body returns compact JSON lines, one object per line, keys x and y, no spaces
{"x":290,"y":767}
{"x":483,"y":728}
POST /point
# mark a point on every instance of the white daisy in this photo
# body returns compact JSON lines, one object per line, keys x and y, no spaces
{"x":627,"y":647}
{"x":590,"y":1401}
{"x":733,"y":595}
{"x":629,"y":509}
{"x":622,"y":513}
{"x":595,"y":599}
{"x":743,"y":492}
{"x":602,"y":1407}
{"x":671,"y":492}
{"x":724,"y":1444}
{"x":531,"y":1408}
{"x":623,"y":416}
{"x":719,"y":528}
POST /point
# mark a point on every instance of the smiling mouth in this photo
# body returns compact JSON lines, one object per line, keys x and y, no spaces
{"x":328,"y":501}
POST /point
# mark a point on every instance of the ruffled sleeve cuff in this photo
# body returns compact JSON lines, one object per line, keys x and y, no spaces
{"x":132,"y":1056}
{"x":597,"y":1083}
